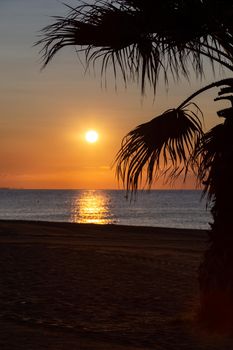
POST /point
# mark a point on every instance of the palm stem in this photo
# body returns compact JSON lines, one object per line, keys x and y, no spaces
{"x":228,"y":81}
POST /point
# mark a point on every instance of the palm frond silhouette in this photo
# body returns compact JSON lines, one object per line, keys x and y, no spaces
{"x":127,"y":36}
{"x":164,"y":146}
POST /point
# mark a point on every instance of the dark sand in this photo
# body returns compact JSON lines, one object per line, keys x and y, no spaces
{"x":70,"y":286}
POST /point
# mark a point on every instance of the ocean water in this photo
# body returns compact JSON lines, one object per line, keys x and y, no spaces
{"x":175,"y":208}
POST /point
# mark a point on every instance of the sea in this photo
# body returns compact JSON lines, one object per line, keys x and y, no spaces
{"x":157,"y":208}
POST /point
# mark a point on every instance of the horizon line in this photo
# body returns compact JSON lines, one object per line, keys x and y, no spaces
{"x":98,"y":189}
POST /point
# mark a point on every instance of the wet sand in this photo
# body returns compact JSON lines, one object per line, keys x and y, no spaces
{"x":74,"y":286}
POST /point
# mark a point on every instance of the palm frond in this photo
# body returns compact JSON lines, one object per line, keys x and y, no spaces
{"x":209,"y":152}
{"x":162,"y":146}
{"x":100,"y":25}
{"x":143,"y":38}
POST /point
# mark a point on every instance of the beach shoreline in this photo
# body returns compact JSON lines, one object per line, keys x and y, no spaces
{"x":87,"y":286}
{"x":99,"y":227}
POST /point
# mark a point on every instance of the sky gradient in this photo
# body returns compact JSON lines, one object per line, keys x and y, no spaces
{"x":45,"y":114}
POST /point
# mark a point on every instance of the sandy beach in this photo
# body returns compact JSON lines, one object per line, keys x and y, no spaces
{"x":74,"y":286}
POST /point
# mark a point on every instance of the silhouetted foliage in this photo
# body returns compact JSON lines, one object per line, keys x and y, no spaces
{"x":164,"y":145}
{"x":141,"y":39}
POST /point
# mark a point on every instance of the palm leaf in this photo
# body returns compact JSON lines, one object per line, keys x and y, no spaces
{"x":143,"y":38}
{"x":162,"y":146}
{"x":209,"y":152}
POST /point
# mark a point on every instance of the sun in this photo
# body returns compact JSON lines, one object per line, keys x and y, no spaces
{"x":91,"y":136}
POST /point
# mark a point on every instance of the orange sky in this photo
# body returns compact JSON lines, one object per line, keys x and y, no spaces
{"x":44,"y":115}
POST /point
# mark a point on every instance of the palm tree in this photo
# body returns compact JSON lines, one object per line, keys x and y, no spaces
{"x":142,"y":40}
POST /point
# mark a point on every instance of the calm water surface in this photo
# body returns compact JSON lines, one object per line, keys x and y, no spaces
{"x":181,"y":209}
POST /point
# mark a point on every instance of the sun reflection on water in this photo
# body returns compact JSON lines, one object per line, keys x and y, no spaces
{"x":92,"y":207}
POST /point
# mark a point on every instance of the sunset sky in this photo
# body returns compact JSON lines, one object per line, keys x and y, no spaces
{"x":44,"y":114}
